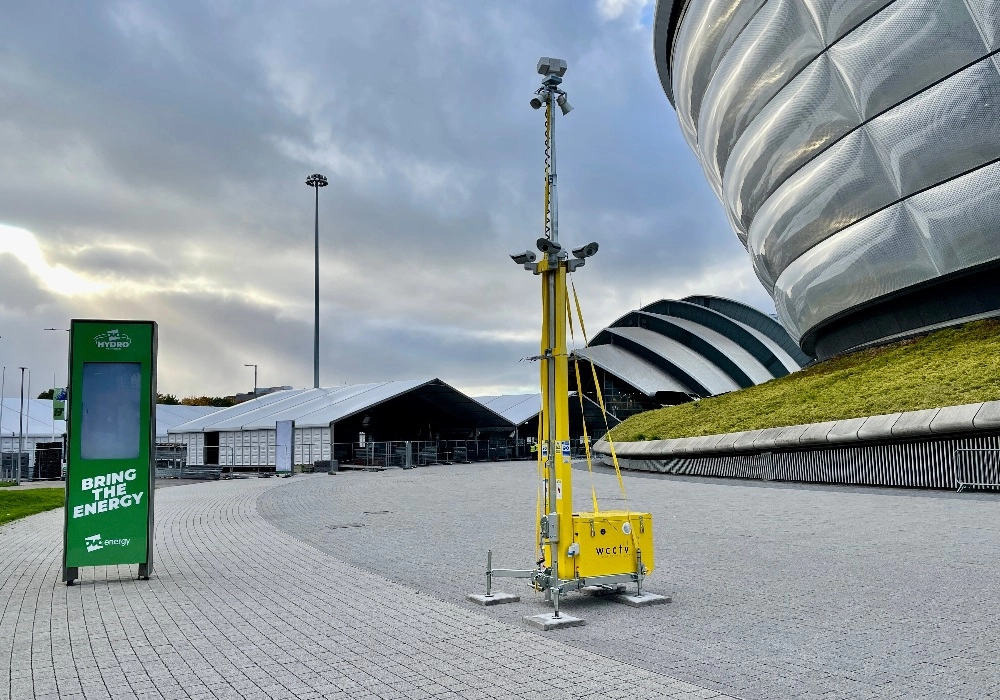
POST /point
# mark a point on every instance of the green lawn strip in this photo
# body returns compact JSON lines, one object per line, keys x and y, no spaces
{"x":22,"y":503}
{"x":950,"y":367}
{"x":5,"y":484}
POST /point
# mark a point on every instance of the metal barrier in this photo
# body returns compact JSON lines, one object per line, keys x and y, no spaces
{"x":171,"y":463}
{"x":978,"y":475}
{"x":381,"y":454}
{"x":8,"y":466}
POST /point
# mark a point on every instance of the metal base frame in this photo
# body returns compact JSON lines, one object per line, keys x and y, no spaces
{"x":541,"y":580}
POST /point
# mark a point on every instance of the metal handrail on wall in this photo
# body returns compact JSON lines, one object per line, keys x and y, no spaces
{"x":981,"y":482}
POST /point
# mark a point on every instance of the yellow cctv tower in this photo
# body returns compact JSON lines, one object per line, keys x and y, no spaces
{"x":579,"y":549}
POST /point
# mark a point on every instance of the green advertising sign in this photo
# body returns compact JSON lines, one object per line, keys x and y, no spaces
{"x":112,"y":441}
{"x":58,"y":403}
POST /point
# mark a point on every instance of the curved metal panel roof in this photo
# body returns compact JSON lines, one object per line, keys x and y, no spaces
{"x":750,"y":316}
{"x":637,"y":372}
{"x":753,"y":367}
{"x":698,"y":346}
{"x":707,"y":376}
{"x":768,"y":351}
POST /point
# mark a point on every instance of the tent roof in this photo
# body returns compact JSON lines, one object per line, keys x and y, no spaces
{"x":315,"y":408}
{"x":38,"y":418}
{"x":38,"y":414}
{"x":517,"y":408}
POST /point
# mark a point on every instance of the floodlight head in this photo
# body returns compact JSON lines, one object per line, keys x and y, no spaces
{"x":537,"y":101}
{"x":585,"y":251}
{"x":548,"y":247}
{"x":551,"y":66}
{"x":316,"y":180}
{"x":564,"y":104}
{"x":527,"y":256}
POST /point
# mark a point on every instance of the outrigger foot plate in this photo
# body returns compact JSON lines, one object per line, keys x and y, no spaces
{"x":494,"y":599}
{"x":548,"y":621}
{"x":642,"y":601}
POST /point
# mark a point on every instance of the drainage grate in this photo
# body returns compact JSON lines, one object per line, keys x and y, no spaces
{"x":345,"y":525}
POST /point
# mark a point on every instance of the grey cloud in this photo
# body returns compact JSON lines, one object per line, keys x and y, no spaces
{"x":186,"y":129}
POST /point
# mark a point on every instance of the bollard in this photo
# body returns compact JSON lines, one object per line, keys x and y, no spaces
{"x":489,"y":573}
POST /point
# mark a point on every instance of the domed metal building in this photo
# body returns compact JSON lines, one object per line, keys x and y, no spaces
{"x":855,"y":147}
{"x":672,"y":351}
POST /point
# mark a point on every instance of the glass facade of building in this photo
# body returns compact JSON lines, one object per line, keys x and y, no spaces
{"x":855,"y":145}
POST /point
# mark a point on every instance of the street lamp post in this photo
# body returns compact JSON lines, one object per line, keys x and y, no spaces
{"x":316,"y":181}
{"x":254,"y":379}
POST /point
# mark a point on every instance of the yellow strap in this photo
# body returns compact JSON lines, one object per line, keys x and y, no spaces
{"x":583,"y":418}
{"x":604,"y":412}
{"x":539,"y":549}
{"x":583,"y":328}
{"x":586,"y":439}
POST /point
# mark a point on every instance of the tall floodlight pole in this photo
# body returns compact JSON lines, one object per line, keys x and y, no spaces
{"x":254,"y":379}
{"x":316,"y":180}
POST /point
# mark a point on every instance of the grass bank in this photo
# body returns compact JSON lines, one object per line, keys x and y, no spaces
{"x":946,"y":368}
{"x":22,"y":503}
{"x":5,"y":484}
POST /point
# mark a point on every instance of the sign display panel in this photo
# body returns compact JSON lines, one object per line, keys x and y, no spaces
{"x":112,"y":441}
{"x":284,"y":446}
{"x":109,"y":426}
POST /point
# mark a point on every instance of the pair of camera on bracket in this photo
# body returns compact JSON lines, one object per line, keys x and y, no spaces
{"x":547,"y":247}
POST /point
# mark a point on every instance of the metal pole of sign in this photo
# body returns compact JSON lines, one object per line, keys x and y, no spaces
{"x":27,"y":424}
{"x":20,"y":428}
{"x":3,"y":385}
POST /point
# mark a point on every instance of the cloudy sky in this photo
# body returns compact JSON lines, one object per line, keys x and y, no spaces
{"x":153,"y":158}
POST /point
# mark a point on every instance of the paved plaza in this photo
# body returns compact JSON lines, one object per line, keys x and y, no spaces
{"x":353,"y":586}
{"x":238,"y":608}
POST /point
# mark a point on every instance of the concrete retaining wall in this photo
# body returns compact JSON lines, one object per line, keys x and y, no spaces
{"x":935,"y":448}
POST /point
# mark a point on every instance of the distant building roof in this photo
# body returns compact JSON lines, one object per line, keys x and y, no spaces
{"x":315,"y":408}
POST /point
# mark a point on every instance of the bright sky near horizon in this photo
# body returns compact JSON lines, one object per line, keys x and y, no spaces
{"x":153,"y":158}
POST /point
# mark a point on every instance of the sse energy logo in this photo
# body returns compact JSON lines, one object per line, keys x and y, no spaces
{"x":94,"y":543}
{"x":112,"y":340}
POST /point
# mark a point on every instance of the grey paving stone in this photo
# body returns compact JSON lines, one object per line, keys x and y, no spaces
{"x":779,"y":591}
{"x":239,"y":608}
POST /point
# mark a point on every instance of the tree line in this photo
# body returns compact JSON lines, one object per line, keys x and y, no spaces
{"x":172,"y":400}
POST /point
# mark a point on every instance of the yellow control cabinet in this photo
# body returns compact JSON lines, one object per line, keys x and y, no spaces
{"x":608,"y":547}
